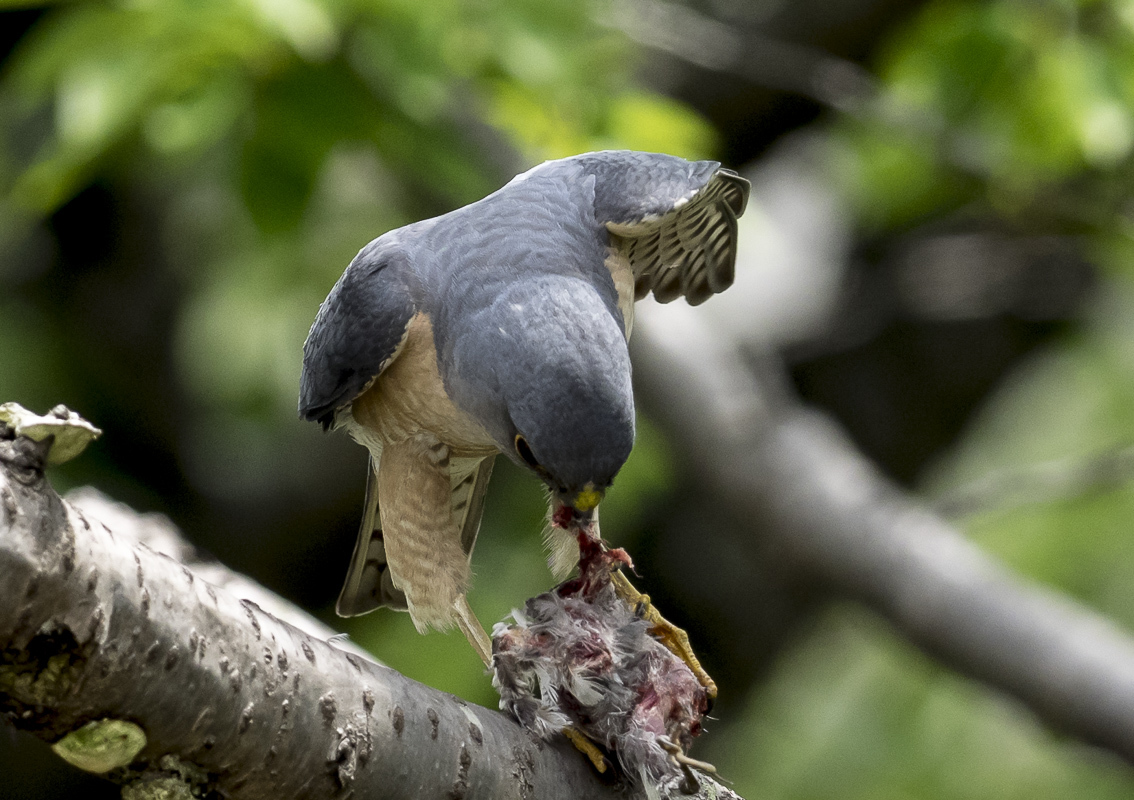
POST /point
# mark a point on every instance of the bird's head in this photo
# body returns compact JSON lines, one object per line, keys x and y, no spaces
{"x":568,"y":398}
{"x":570,"y":504}
{"x":576,"y":449}
{"x":545,"y":368}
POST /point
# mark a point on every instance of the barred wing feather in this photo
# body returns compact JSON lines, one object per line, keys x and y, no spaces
{"x":691,"y":250}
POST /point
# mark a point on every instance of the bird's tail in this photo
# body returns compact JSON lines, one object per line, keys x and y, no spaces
{"x":369,"y":583}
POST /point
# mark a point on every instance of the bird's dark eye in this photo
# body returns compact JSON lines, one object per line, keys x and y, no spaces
{"x":526,"y":452}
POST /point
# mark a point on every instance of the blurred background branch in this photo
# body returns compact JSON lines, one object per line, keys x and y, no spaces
{"x":938,"y":249}
{"x":795,"y":486}
{"x":681,"y":31}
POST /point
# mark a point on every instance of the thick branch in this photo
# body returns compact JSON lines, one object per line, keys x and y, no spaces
{"x":159,"y":534}
{"x":94,"y":626}
{"x":837,"y":518}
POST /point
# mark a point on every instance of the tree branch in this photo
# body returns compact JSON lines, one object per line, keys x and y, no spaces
{"x":777,"y":64}
{"x":158,"y":533}
{"x":1058,"y":480}
{"x":838,"y":519}
{"x":96,"y":627}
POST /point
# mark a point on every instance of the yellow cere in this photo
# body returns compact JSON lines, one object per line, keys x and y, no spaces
{"x":587,"y":499}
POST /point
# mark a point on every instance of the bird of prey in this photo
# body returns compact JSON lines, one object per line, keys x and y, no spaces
{"x":502,"y":327}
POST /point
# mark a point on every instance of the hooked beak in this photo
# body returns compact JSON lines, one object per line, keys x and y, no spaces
{"x":571,"y":511}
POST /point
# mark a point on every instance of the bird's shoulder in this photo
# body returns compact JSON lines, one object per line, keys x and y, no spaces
{"x":359,"y":329}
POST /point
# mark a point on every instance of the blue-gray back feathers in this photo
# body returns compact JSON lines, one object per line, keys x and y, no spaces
{"x":523,"y":307}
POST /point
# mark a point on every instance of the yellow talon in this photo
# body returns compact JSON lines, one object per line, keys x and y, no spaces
{"x":674,"y":638}
{"x":587,"y":747}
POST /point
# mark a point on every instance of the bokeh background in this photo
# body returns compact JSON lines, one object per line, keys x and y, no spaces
{"x":938,"y":252}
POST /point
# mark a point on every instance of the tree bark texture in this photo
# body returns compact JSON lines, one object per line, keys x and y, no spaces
{"x":95,"y":625}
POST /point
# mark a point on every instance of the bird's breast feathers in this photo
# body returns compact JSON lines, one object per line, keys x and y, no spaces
{"x":409,"y":398}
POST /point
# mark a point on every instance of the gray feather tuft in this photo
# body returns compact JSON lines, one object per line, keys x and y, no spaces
{"x":592,"y":664}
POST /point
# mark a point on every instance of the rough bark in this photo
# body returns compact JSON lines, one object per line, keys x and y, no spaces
{"x":830,"y":512}
{"x":158,"y":533}
{"x":96,"y":627}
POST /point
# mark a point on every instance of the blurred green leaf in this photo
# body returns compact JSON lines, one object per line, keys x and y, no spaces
{"x":297,"y":118}
{"x":1003,"y":103}
{"x":855,"y":713}
{"x":647,"y":122}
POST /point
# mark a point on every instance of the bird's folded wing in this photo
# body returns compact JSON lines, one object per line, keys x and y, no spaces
{"x":683,"y":243}
{"x":360,"y":329}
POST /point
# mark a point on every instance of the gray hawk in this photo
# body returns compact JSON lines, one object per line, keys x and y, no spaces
{"x":502,"y":327}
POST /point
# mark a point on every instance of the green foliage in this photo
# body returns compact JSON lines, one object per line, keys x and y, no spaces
{"x":855,"y":713}
{"x":282,"y":83}
{"x":1053,"y":420}
{"x":1014,"y":105}
{"x":1026,"y":110}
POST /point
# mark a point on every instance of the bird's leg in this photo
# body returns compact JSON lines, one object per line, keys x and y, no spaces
{"x":472,"y":629}
{"x":687,"y":764}
{"x":593,"y":554}
{"x":674,"y":638}
{"x":678,"y":755}
{"x":587,"y":748}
